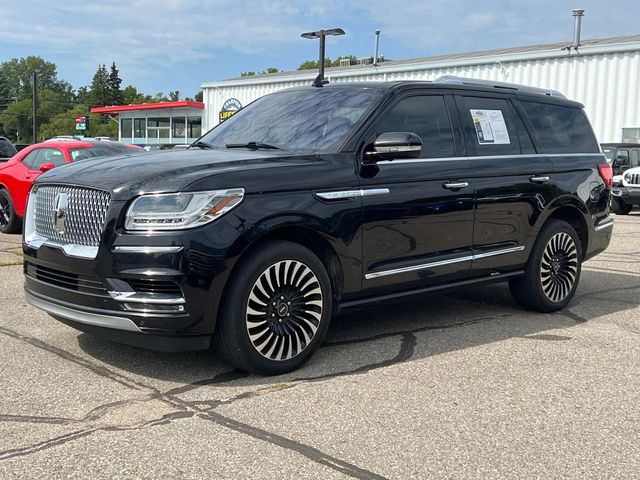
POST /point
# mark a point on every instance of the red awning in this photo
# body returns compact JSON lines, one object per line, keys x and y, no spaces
{"x":147,"y":106}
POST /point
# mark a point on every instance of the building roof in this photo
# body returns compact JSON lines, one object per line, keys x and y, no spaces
{"x":483,"y":56}
{"x":147,"y":106}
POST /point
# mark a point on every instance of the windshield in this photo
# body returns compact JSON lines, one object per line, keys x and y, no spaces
{"x":312,"y":119}
{"x":83,"y":153}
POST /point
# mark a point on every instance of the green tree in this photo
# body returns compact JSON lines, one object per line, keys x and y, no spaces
{"x":131,"y":95}
{"x":113,"y":86}
{"x":99,"y":92}
{"x":198,"y":96}
{"x":174,"y":96}
{"x":313,"y":64}
{"x":17,"y":117}
{"x":18,"y":74}
{"x":247,"y":74}
{"x":271,"y":70}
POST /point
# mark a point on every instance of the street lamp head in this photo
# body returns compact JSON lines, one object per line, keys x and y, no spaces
{"x":334,"y":31}
{"x":320,"y":33}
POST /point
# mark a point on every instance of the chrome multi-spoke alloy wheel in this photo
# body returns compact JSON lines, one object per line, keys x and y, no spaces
{"x":559,"y":267}
{"x":284,"y":310}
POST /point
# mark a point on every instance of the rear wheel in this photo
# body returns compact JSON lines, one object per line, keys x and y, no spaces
{"x":277,"y":310}
{"x":619,"y":207}
{"x":553,"y":270}
{"x":9,"y":221}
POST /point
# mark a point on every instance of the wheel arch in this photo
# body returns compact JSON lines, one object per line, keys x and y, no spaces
{"x":304,"y":230}
{"x":574,"y":212}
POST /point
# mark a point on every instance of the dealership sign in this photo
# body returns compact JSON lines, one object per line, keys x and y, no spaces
{"x":81,"y":123}
{"x":229,"y":107}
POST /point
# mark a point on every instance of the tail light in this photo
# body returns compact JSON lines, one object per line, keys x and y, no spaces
{"x":606,"y":172}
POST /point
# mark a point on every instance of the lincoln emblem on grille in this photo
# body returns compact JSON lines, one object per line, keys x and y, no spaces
{"x":60,"y":212}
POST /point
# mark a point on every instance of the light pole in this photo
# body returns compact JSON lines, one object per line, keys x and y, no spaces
{"x":319,"y":81}
{"x":34,"y":106}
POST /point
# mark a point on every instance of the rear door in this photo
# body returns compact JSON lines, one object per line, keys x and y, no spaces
{"x":418,"y":220}
{"x":512,"y":182}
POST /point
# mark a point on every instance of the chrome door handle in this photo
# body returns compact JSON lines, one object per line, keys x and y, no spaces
{"x":538,"y":179}
{"x":456,"y":185}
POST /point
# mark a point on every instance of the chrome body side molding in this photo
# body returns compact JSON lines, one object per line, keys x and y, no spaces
{"x":425,"y":266}
{"x":343,"y":194}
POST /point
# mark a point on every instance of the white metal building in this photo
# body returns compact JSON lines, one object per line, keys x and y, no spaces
{"x":604,"y":75}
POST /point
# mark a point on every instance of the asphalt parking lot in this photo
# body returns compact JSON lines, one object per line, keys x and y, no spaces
{"x":462,"y":385}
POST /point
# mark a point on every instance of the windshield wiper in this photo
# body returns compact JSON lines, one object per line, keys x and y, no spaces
{"x":253,"y":146}
{"x":200,"y":144}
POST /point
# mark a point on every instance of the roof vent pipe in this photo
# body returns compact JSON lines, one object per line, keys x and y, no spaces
{"x":375,"y":52}
{"x":578,"y":13}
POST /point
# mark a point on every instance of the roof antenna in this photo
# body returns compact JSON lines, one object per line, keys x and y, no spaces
{"x":321,"y":34}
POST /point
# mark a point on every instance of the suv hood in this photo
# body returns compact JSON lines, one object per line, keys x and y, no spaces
{"x":182,"y":170}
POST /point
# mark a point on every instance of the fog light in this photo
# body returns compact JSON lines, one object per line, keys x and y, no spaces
{"x":154,"y":308}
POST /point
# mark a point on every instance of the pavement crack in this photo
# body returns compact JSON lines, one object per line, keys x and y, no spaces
{"x":68,"y":356}
{"x":307,"y":451}
{"x":34,"y":419}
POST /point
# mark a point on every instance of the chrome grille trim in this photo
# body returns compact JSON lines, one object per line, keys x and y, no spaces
{"x":84,"y":219}
{"x":632,"y":178}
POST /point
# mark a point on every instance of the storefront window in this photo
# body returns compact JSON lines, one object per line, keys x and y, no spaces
{"x":194,"y":128}
{"x":178,"y":129}
{"x":126,"y":125}
{"x":139,"y":127}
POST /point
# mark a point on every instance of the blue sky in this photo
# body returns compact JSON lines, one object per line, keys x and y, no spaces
{"x":163,"y":45}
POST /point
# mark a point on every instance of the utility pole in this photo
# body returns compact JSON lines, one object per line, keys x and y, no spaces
{"x":34,"y":106}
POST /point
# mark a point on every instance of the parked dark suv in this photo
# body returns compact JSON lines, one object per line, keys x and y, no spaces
{"x":316,"y":199}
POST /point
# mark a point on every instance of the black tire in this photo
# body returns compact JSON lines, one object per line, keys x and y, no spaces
{"x":276,"y":311}
{"x":553,"y":270}
{"x":619,"y":207}
{"x":9,"y":221}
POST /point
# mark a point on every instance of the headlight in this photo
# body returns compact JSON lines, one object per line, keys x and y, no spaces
{"x":178,"y":211}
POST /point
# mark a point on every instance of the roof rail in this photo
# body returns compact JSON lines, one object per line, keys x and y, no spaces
{"x":504,"y":85}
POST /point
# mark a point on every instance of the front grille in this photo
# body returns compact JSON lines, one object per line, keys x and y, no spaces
{"x":84,"y":215}
{"x":632,"y":178}
{"x":155,"y":286}
{"x":70,"y":281}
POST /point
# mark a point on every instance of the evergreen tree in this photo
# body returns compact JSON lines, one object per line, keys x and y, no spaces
{"x":99,"y":94}
{"x":113,"y":82}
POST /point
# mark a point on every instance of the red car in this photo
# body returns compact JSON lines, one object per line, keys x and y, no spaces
{"x":17,"y":174}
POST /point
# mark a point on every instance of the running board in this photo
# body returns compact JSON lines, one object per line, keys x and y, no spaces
{"x":495,"y":278}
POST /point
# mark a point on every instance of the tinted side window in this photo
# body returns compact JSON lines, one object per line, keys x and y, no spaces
{"x":622,"y":157}
{"x":6,"y":149}
{"x":561,"y":129}
{"x":31,"y":160}
{"x":493,"y":127}
{"x":50,"y":155}
{"x":426,"y":116}
{"x":635,"y":157}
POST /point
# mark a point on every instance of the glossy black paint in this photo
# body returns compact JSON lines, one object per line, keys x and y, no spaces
{"x":420,"y":221}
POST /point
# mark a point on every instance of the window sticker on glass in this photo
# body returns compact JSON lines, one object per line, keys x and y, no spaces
{"x":490,"y":127}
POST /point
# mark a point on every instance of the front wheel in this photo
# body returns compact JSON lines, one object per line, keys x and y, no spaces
{"x":553,"y":270}
{"x":619,"y":207}
{"x":9,"y":221}
{"x":276,"y":311}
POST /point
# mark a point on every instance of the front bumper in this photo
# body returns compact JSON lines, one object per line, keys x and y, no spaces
{"x":157,"y":291}
{"x":630,"y":195}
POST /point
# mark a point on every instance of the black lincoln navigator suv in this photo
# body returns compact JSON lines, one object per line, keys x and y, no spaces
{"x":316,"y":199}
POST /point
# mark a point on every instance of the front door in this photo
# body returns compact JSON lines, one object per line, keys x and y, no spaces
{"x":418,"y":213}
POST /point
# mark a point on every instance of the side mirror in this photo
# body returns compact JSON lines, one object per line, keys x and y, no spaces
{"x":45,"y":167}
{"x":394,"y":145}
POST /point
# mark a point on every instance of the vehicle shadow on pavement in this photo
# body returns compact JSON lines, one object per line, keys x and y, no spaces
{"x":366,"y":339}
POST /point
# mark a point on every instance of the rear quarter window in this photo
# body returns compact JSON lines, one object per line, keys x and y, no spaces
{"x":561,"y":129}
